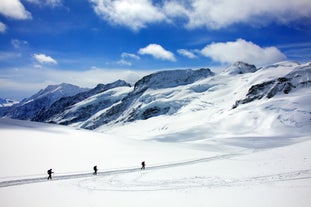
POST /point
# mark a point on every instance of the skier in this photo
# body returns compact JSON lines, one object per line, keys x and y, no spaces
{"x":50,"y":174}
{"x":143,"y":165}
{"x":95,"y":170}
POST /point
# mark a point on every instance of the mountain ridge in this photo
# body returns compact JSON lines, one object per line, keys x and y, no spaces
{"x":66,"y":102}
{"x":29,"y":107}
{"x":176,"y":93}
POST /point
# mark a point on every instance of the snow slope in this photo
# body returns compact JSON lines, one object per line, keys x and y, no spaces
{"x":206,"y":111}
{"x":177,"y":174}
{"x":272,"y":99}
{"x":238,"y":138}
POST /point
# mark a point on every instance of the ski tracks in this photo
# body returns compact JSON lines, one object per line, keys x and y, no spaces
{"x":24,"y":181}
{"x":127,"y":180}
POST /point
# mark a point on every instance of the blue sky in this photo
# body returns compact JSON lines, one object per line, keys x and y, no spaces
{"x":85,"y":42}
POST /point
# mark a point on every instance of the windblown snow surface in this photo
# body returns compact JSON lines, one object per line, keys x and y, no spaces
{"x":236,"y":173}
{"x":206,"y":154}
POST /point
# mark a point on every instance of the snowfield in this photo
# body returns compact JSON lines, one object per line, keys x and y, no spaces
{"x":228,"y":173}
{"x":238,"y":138}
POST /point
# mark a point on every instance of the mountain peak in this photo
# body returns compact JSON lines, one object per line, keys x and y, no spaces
{"x":240,"y":67}
{"x":172,"y":78}
{"x":60,"y":90}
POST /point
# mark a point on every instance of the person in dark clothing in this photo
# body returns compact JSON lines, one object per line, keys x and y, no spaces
{"x":50,"y":174}
{"x":143,"y":164}
{"x":95,"y":170}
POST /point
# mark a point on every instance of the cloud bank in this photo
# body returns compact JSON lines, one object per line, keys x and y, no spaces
{"x":158,"y":52}
{"x":212,"y":14}
{"x":241,"y":50}
{"x":215,"y":14}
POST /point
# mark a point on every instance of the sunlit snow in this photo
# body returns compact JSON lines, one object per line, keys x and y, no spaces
{"x":203,"y":153}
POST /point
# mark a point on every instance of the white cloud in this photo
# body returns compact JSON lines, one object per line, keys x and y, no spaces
{"x":135,"y":14}
{"x":14,"y":9}
{"x":173,"y":9}
{"x":241,"y":50}
{"x":2,"y":28}
{"x":157,"y":51}
{"x":186,"y":53}
{"x":213,"y":14}
{"x":222,"y":13}
{"x":42,"y":58}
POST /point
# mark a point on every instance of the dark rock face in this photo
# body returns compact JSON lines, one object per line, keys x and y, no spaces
{"x":299,"y":78}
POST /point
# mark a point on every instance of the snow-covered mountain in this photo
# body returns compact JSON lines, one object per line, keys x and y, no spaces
{"x":298,"y":78}
{"x":142,"y":104}
{"x":275,"y":95}
{"x":171,"y":78}
{"x":241,"y":136}
{"x":212,"y":108}
{"x":29,"y":107}
{"x":118,"y":102}
{"x":81,"y":106}
{"x":240,"y":68}
{"x":242,"y":132}
{"x":4,"y":102}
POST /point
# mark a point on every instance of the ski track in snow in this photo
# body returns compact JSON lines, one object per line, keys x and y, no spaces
{"x":112,"y":180}
{"x":14,"y":182}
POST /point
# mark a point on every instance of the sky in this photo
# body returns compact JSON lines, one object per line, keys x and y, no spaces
{"x":86,"y":42}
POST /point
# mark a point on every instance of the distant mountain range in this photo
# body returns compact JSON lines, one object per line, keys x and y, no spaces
{"x":4,"y":102}
{"x":28,"y":108}
{"x":170,"y":93}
